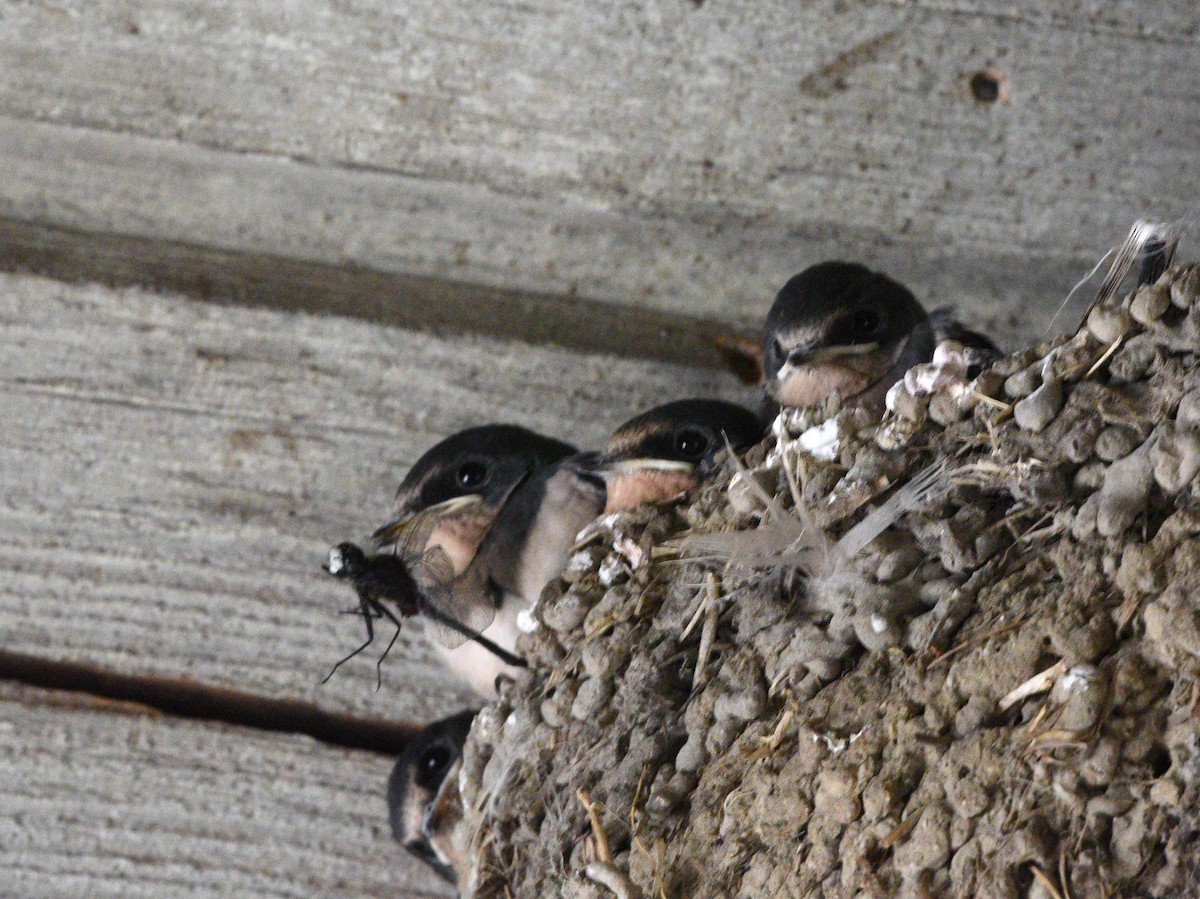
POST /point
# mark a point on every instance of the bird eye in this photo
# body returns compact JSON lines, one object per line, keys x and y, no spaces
{"x":691,"y":443}
{"x":471,"y":475}
{"x":865,"y":322}
{"x":433,"y":762}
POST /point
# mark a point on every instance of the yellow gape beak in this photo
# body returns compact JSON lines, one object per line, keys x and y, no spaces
{"x":827,"y":353}
{"x":633,"y":466}
{"x":393,"y":531}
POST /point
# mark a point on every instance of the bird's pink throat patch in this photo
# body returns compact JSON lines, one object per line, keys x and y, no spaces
{"x":809,"y":385}
{"x":650,"y":485}
{"x":459,"y":536}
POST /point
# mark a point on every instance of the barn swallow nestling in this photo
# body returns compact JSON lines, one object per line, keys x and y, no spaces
{"x":475,"y":610}
{"x":424,"y":807}
{"x":447,"y":502}
{"x":452,"y":493}
{"x":526,"y":547}
{"x":838,"y":327}
{"x":651,"y":458}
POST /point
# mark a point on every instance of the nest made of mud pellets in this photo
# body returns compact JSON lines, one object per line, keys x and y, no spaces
{"x":997,"y":697}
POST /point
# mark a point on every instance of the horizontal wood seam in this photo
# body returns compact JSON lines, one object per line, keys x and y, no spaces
{"x":184,"y":697}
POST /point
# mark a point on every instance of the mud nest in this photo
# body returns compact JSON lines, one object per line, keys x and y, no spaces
{"x":997,"y":696}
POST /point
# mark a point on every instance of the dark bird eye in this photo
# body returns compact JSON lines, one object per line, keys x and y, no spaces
{"x":433,"y":763}
{"x":691,"y":444}
{"x":471,"y":475}
{"x":865,"y":322}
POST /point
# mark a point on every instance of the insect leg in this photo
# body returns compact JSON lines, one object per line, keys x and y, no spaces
{"x":368,"y":613}
{"x":383,"y":611}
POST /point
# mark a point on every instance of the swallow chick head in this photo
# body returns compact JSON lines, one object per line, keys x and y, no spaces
{"x":837,"y":327}
{"x":458,"y":486}
{"x":424,"y":807}
{"x":666,"y":451}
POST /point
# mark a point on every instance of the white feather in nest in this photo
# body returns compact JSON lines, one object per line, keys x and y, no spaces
{"x":792,"y":541}
{"x":1146,"y":241}
{"x":844,"y":606}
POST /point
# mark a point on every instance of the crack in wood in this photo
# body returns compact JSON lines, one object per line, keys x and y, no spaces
{"x":183,"y":697}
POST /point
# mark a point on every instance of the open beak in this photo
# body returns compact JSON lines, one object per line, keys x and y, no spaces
{"x":395,"y":531}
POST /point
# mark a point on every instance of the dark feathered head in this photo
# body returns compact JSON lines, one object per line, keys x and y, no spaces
{"x":837,"y":327}
{"x":457,"y":487}
{"x":416,"y":785}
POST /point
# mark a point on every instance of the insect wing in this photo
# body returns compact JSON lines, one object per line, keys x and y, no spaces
{"x":453,"y":610}
{"x":409,"y":537}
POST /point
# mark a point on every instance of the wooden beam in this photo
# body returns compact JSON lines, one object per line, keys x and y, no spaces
{"x":407,"y":301}
{"x":185,"y":697}
{"x":662,"y":157}
{"x":106,"y":800}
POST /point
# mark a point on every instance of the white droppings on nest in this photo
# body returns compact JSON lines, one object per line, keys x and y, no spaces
{"x":579,"y":563}
{"x":840,"y":745}
{"x":1079,"y":676}
{"x":948,"y":368}
{"x":629,"y":548}
{"x":783,"y":440}
{"x":879,"y":624}
{"x":610,"y":569}
{"x":822,"y":441}
{"x":597,"y":528}
{"x":1076,"y":680}
{"x":779,"y":427}
{"x":527,"y":622}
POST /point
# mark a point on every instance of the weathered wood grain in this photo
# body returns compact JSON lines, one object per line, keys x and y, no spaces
{"x":174,"y":472}
{"x":665,"y":154}
{"x":406,"y":301}
{"x":107,"y":800}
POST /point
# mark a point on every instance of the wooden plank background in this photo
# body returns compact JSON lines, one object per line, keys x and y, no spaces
{"x":562,"y":201}
{"x":665,"y":155}
{"x":173,"y":474}
{"x":106,"y":800}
